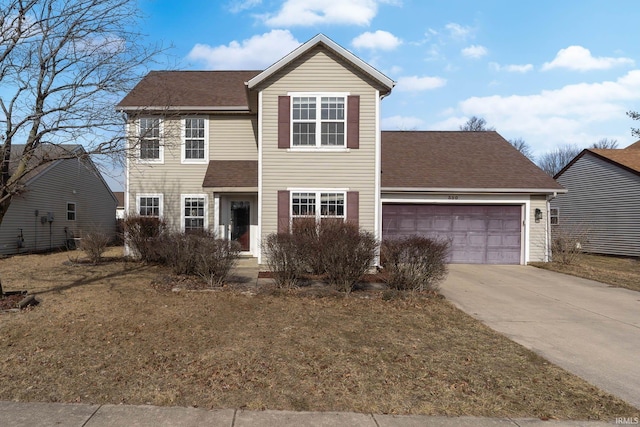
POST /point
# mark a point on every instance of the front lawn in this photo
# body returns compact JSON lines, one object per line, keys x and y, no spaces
{"x":615,"y":271}
{"x":104,"y":334}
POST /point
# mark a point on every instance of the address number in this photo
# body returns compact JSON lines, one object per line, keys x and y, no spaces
{"x":453,"y":197}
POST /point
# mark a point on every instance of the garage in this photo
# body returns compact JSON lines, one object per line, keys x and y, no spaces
{"x":479,"y":234}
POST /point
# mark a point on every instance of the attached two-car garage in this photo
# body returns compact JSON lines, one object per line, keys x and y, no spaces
{"x":479,"y":234}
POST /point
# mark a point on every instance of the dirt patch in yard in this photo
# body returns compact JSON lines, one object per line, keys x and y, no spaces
{"x":615,"y":271}
{"x":104,"y":334}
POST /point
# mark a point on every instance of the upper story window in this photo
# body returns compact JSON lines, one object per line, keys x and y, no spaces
{"x":71,"y":211}
{"x":150,"y":205}
{"x":149,"y":135}
{"x":194,"y":140}
{"x":318,"y":120}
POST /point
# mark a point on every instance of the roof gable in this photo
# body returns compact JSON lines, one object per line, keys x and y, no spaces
{"x":322,"y":40}
{"x":431,"y":160}
{"x":626,"y":158}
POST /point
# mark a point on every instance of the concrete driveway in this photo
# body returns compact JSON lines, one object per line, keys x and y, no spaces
{"x":586,"y":327}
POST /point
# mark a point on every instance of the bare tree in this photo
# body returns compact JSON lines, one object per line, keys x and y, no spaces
{"x":635,"y":116}
{"x":605,"y":143}
{"x":522,"y":146}
{"x":553,"y":161}
{"x":476,"y":124}
{"x":64,"y":64}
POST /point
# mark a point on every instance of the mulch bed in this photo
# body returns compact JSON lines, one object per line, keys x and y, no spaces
{"x":10,"y":300}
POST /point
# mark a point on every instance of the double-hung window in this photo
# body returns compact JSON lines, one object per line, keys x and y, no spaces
{"x":150,"y":205}
{"x":318,"y":120}
{"x":195,"y":144}
{"x":194,"y":212}
{"x":554,"y":216}
{"x":149,"y":139}
{"x":319,"y":205}
{"x":71,"y":211}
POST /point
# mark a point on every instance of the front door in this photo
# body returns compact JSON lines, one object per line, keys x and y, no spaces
{"x":241,"y":224}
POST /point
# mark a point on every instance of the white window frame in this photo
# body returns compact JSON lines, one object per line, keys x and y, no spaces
{"x":318,"y":120}
{"x":318,"y":203}
{"x":74,"y":211}
{"x":158,"y":196}
{"x":183,"y":217}
{"x":160,"y":159}
{"x":556,"y":216}
{"x":183,"y":149}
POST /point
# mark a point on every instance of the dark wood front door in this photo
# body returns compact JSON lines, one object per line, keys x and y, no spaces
{"x":241,"y":224}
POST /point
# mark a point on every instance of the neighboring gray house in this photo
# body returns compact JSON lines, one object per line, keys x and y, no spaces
{"x":603,"y":200}
{"x":60,"y":200}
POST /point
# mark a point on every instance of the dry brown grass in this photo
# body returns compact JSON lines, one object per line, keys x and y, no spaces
{"x":615,"y":271}
{"x":102,"y":334}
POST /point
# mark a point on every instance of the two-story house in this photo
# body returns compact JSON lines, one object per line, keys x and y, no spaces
{"x":246,"y":152}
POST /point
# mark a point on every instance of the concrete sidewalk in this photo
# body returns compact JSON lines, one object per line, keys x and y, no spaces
{"x":19,"y":414}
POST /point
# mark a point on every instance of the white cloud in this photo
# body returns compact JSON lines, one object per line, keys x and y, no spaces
{"x":513,"y":68}
{"x":257,"y":52}
{"x":580,"y":59}
{"x":416,"y":84}
{"x":379,"y":40}
{"x":237,"y":6}
{"x":553,"y":117}
{"x":402,"y":123}
{"x":315,"y":12}
{"x":457,"y":31}
{"x":474,"y":51}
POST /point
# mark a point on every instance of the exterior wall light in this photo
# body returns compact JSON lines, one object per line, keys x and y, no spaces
{"x":538,"y":215}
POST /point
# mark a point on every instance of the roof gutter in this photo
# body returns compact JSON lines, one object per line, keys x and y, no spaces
{"x":445,"y":190}
{"x":183,"y":108}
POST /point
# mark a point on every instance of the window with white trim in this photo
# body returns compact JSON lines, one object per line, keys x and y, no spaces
{"x":149,"y":205}
{"x":194,"y":140}
{"x":149,"y":139}
{"x":554,"y":216}
{"x":318,"y":204}
{"x":71,"y":211}
{"x":194,"y":212}
{"x":318,"y":120}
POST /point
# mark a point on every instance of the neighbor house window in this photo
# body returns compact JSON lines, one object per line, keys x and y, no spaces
{"x":150,"y":205}
{"x":318,"y":121}
{"x":149,"y":139}
{"x":318,"y":204}
{"x":194,"y":140}
{"x":194,"y":212}
{"x":554,"y":216}
{"x":71,"y":211}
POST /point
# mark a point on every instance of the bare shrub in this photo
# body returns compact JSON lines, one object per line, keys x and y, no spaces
{"x":414,"y":263}
{"x":305,"y":233}
{"x":346,"y":252}
{"x":567,"y":243}
{"x":142,"y":234}
{"x":215,"y":258}
{"x":177,"y":251}
{"x":283,"y":257}
{"x":94,"y":243}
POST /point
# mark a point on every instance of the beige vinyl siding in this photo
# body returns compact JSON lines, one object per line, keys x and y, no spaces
{"x":538,"y":230}
{"x":319,"y":71}
{"x":233,"y":138}
{"x":602,"y":201}
{"x":230,"y":138}
{"x":63,"y":182}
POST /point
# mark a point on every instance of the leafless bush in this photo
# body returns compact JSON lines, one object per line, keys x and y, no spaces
{"x":142,"y":234}
{"x":305,"y":232}
{"x":215,"y":258}
{"x":414,"y":263}
{"x":282,"y":253}
{"x":567,"y":242}
{"x":177,"y":251}
{"x":346,"y":252}
{"x":94,"y":243}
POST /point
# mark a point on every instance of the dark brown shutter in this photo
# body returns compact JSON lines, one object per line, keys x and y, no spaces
{"x":353,"y":208}
{"x":284,"y":121}
{"x":353,"y":121}
{"x":283,"y":211}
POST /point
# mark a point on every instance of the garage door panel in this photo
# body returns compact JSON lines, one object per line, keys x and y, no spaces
{"x":478,"y":234}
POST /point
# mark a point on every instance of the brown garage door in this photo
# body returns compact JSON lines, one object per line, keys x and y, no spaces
{"x":479,"y":234}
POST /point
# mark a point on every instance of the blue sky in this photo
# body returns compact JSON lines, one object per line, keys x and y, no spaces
{"x":551,"y":72}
